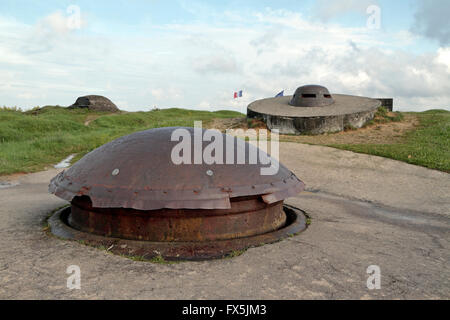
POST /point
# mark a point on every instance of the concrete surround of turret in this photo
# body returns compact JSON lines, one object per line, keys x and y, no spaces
{"x":346,"y":111}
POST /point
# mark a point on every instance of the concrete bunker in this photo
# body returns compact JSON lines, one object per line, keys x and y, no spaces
{"x":313,"y":110}
{"x":95,"y":103}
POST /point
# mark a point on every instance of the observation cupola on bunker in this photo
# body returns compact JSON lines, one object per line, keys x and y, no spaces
{"x":311,"y":96}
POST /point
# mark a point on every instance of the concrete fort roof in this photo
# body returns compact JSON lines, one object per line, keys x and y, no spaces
{"x":343,"y":105}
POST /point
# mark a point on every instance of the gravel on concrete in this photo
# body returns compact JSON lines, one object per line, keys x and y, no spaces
{"x":364,"y":210}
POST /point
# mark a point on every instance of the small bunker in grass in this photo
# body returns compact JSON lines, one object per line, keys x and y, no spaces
{"x":95,"y":103}
{"x":130,"y":195}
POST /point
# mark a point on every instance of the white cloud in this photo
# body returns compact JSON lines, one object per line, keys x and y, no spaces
{"x":158,"y":94}
{"x":432,"y":20}
{"x":328,"y":9}
{"x":215,"y":64}
{"x":200,"y":65}
{"x":443,"y":57}
{"x":55,"y":23}
{"x":62,"y":23}
{"x":347,"y":60}
{"x":7,"y":55}
{"x":162,"y":95}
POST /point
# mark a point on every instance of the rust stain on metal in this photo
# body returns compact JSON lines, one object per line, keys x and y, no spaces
{"x":194,"y":250}
{"x":145,"y":165}
{"x":247,"y":217}
{"x":130,"y":189}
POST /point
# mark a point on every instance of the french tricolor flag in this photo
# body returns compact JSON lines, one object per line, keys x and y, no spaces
{"x":238,"y":94}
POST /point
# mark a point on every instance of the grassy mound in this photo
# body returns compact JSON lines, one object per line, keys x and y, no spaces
{"x":32,"y":140}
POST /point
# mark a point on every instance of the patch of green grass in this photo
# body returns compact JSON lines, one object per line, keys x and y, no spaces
{"x":136,"y":258}
{"x":428,"y":145}
{"x":45,"y":222}
{"x":156,"y":259}
{"x":381,"y":112}
{"x":382,"y":116}
{"x":349,"y":127}
{"x":32,"y":140}
{"x":368,"y":123}
{"x":235,"y":253}
{"x":397,"y":117}
{"x":160,"y":259}
{"x":10,"y":109}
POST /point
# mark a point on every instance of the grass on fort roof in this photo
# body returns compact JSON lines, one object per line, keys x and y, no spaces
{"x":33,"y":140}
{"x":428,"y":145}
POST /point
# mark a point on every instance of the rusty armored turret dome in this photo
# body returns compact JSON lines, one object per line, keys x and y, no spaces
{"x":311,"y":96}
{"x":131,"y":189}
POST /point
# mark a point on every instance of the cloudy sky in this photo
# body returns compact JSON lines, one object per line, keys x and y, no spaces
{"x":195,"y":54}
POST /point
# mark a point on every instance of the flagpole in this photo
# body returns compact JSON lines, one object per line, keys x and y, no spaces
{"x":241,"y":105}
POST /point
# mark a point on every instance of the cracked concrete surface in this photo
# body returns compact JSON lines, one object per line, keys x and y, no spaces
{"x":365,"y":211}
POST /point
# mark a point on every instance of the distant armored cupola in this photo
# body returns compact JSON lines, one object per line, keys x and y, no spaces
{"x":311,"y":96}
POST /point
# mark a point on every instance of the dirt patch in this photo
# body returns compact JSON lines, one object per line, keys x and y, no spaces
{"x":377,"y":133}
{"x":224,"y":124}
{"x":11,"y":177}
{"x":90,"y":118}
{"x":93,"y":117}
